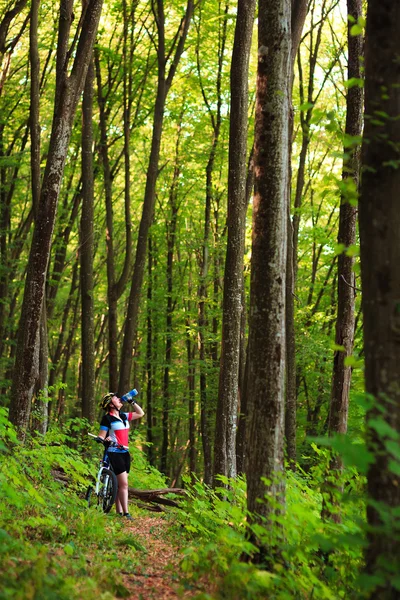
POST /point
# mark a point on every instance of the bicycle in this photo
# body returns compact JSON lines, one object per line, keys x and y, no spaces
{"x":106,"y":487}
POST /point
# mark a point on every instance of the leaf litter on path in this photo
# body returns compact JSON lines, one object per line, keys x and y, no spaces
{"x":156,"y":578}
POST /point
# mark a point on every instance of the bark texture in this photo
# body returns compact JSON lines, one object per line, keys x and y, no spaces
{"x":299,"y":11}
{"x":68,"y":90}
{"x":266,"y":371}
{"x":341,"y":376}
{"x":228,"y":396}
{"x":163,"y":86}
{"x":379,"y":219}
{"x":87,"y":253}
{"x":345,"y":319}
{"x":149,"y":355}
{"x":171,"y":226}
{"x":6,"y":22}
{"x":40,"y":417}
{"x":112,"y":296}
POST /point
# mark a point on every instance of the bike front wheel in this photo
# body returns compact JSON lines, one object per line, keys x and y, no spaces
{"x":108,"y":489}
{"x":88,"y":495}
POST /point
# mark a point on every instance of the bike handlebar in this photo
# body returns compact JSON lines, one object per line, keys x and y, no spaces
{"x":100,"y":440}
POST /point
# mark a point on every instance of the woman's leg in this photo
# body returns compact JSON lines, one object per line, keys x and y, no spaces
{"x":118,"y":505}
{"x":122,"y":497}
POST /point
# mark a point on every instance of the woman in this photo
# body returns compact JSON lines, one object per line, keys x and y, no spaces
{"x":114,"y":427}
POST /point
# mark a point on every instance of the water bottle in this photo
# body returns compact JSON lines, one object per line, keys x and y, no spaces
{"x":129,"y":396}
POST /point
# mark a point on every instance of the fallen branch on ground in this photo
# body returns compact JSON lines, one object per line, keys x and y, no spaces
{"x":155,"y":498}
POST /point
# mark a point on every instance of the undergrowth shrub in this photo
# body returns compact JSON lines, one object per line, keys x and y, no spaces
{"x":317,"y":559}
{"x":53,"y":546}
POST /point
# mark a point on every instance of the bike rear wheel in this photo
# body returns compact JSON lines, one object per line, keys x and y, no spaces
{"x":108,"y":489}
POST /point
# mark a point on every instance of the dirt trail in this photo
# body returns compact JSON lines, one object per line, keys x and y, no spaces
{"x":156,"y":578}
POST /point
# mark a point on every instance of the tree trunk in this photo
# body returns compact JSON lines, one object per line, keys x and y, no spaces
{"x":206,"y":350}
{"x":347,"y":234}
{"x":190,"y":348}
{"x":291,"y":389}
{"x":116,"y":284}
{"x":171,"y":236}
{"x":40,"y":420}
{"x":61,"y":239}
{"x":299,"y":11}
{"x":56,"y":356}
{"x":243,"y":366}
{"x":379,"y":219}
{"x":163,"y":86}
{"x":149,"y":356}
{"x":4,"y":227}
{"x":87,"y":252}
{"x":6,"y":22}
{"x":341,"y":375}
{"x":228,"y":396}
{"x":40,"y":410}
{"x":111,"y":277}
{"x":267,"y":348}
{"x":34,"y":104}
{"x":243,"y":412}
{"x":68,"y":90}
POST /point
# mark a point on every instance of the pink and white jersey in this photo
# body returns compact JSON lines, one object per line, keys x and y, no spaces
{"x":117,"y":429}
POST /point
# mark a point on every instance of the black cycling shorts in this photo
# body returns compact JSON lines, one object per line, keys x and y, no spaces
{"x":120,"y":462}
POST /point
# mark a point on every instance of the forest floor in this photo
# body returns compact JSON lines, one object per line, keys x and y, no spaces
{"x":158,"y":576}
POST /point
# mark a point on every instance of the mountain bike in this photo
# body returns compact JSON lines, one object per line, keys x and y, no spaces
{"x":105,"y":491}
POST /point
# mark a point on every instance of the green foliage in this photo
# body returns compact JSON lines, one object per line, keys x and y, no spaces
{"x":357,"y":28}
{"x":315,"y":559}
{"x":310,"y":555}
{"x":47,"y":534}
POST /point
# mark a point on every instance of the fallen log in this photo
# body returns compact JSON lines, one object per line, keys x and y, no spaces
{"x":150,"y":494}
{"x":155,"y":497}
{"x":151,"y":507}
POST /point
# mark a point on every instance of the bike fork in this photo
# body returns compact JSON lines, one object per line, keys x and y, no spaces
{"x":99,"y":479}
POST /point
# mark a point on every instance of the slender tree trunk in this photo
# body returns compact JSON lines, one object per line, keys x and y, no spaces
{"x":4,"y":226}
{"x":60,"y":346}
{"x":129,"y":23}
{"x":243,"y":366}
{"x":40,"y":410}
{"x":306,"y":97}
{"x":149,"y":355}
{"x":228,"y":396}
{"x":379,"y":220}
{"x":267,"y":343}
{"x":40,"y":420}
{"x":6,"y":22}
{"x":171,"y":236}
{"x":299,"y":11}
{"x":291,"y":389}
{"x":71,"y":344}
{"x":61,"y":240}
{"x":111,"y":277}
{"x":87,"y":252}
{"x":204,"y":410}
{"x":341,"y":375}
{"x":190,"y":348}
{"x":203,"y":321}
{"x":163,"y":85}
{"x":116,"y":284}
{"x":243,"y":413}
{"x":34,"y":104}
{"x":205,"y":425}
{"x":68,"y":90}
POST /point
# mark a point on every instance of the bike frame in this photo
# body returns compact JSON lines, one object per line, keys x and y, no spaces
{"x":103,"y":465}
{"x":106,"y":481}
